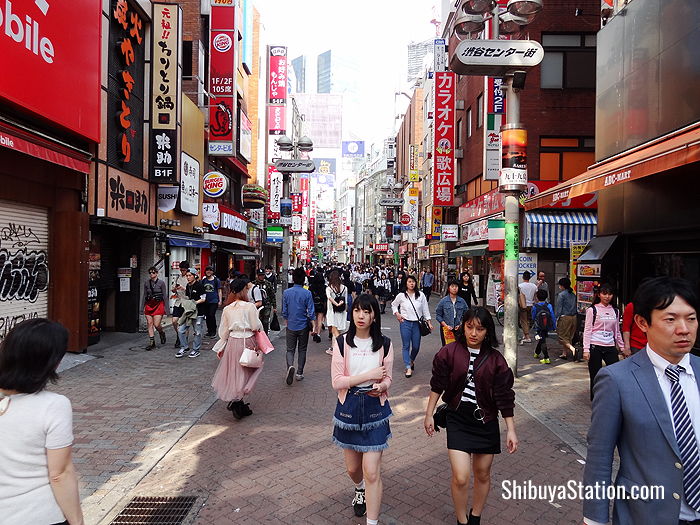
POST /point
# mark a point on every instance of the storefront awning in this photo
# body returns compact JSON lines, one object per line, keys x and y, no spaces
{"x":662,"y":154}
{"x":243,"y":255}
{"x":558,"y":230}
{"x":187,"y":242}
{"x":597,"y":248}
{"x":469,"y":251}
{"x":32,"y":144}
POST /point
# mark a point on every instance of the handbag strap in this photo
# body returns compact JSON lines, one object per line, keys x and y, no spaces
{"x":418,"y":317}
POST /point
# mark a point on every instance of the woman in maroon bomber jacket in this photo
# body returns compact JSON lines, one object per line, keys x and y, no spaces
{"x":476,"y":383}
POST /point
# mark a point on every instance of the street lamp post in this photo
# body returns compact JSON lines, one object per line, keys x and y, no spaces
{"x":470,"y":22}
{"x":303,"y":145}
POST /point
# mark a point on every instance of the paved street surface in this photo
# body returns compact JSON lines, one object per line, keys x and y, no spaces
{"x":147,"y":424}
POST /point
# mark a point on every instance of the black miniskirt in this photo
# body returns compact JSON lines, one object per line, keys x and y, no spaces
{"x":468,"y":434}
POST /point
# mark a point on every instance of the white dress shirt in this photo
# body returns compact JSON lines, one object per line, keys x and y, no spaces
{"x":692,"y":400}
{"x":402,"y":304}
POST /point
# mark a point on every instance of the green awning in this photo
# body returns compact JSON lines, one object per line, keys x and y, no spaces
{"x":469,"y":251}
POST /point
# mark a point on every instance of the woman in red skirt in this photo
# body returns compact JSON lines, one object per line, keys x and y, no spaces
{"x":154,"y":294}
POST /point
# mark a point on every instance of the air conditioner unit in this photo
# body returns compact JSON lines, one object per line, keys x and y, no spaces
{"x":459,"y":153}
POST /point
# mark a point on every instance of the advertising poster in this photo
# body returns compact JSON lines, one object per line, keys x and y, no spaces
{"x":513,"y":158}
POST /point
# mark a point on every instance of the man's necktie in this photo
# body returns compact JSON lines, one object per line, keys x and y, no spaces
{"x":685,"y":436}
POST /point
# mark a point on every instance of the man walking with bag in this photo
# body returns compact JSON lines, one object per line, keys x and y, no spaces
{"x":298,"y":310}
{"x":263,"y":295}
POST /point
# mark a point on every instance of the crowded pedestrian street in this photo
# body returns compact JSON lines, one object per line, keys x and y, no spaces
{"x":148,"y":425}
{"x":397,"y":262}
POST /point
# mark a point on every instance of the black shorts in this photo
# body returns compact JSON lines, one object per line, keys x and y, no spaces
{"x":178,"y":311}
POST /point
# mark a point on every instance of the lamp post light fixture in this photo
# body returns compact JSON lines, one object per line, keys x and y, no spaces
{"x":284,"y":143}
{"x":513,"y":176}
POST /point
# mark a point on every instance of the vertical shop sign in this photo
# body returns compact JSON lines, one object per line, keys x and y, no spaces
{"x":413,"y":163}
{"x":126,"y":88}
{"x":278,"y":75}
{"x":440,"y":57}
{"x":189,"y":184}
{"x":274,"y":185}
{"x":276,"y":119}
{"x":296,"y":202}
{"x":222,"y":57}
{"x":164,"y":94}
{"x":304,"y":187}
{"x":436,"y":223}
{"x":444,"y":156}
{"x":495,"y":116}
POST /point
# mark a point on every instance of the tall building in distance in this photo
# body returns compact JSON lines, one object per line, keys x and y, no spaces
{"x":299,"y":67}
{"x":323,"y":72}
{"x":417,"y":51}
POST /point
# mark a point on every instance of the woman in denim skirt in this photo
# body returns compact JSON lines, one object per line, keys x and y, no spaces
{"x":361,"y":374}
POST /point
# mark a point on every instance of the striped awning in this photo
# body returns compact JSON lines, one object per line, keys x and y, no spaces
{"x":558,"y":230}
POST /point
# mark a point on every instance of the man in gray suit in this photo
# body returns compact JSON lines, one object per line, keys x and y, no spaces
{"x":648,"y":406}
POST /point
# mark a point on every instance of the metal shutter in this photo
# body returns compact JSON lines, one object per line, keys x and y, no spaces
{"x":24,"y":263}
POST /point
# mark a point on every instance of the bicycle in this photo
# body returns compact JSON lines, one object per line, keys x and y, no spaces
{"x":500,"y":311}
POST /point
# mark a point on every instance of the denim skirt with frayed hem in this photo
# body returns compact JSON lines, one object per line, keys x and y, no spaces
{"x":361,"y":423}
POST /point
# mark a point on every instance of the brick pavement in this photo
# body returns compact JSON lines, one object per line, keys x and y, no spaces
{"x":144,"y":427}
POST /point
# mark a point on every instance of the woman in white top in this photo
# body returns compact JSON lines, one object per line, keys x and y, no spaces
{"x":409,"y":307}
{"x":38,"y":483}
{"x":361,"y":374}
{"x":336,"y":311}
{"x":239,"y":322}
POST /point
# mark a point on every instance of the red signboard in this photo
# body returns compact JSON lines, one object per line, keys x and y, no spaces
{"x":444,"y":147}
{"x":222,"y":47}
{"x":50,"y":61}
{"x":381,"y":247}
{"x":276,"y":119}
{"x":277,"y":84}
{"x":296,"y":202}
{"x":312,"y":231}
{"x":494,"y":202}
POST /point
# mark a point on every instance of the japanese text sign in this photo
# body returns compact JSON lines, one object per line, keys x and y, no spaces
{"x":276,"y":116}
{"x":436,"y":223}
{"x":277,"y":84}
{"x":51,"y":61}
{"x":444,"y":132}
{"x":274,"y":186}
{"x":222,"y":49}
{"x":164,"y":93}
{"x":413,"y":175}
{"x":189,"y":184}
{"x":495,"y":57}
{"x":126,"y":60}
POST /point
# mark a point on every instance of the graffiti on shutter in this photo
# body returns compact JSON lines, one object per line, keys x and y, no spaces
{"x":24,"y":264}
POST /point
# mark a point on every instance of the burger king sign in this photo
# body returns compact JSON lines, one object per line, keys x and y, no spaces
{"x":215,"y":184}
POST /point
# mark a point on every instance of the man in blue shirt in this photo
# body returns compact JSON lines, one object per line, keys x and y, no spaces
{"x":427,"y":282}
{"x":298,"y":310}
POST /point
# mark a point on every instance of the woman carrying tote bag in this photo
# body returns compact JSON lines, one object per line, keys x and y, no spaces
{"x":237,"y":330}
{"x":409,"y":308}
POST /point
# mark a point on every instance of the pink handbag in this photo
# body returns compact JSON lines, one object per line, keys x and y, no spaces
{"x":262,"y":342}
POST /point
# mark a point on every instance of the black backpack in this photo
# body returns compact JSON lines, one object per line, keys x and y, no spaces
{"x":543,"y":318}
{"x":341,"y":344}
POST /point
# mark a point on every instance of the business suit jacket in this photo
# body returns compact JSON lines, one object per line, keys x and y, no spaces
{"x":630,"y":413}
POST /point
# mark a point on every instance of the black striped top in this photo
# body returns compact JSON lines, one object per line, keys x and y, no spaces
{"x":469,"y":394}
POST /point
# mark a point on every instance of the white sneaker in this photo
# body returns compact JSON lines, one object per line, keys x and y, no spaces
{"x":181,"y":353}
{"x":523,"y":341}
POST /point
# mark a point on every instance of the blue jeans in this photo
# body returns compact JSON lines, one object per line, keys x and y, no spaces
{"x":410,"y":336}
{"x":197,"y":328}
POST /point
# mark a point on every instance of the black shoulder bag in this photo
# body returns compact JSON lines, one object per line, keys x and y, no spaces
{"x":423,"y":325}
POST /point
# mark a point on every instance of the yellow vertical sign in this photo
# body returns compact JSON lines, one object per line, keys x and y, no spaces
{"x":413,"y":163}
{"x":576,"y":249}
{"x":436,"y":227}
